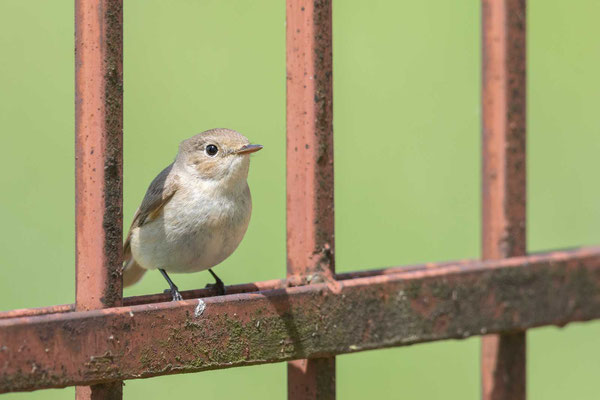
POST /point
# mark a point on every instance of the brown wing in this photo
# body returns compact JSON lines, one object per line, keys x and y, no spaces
{"x":160,"y":191}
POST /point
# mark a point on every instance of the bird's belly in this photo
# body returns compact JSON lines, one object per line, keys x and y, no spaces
{"x":185,"y":238}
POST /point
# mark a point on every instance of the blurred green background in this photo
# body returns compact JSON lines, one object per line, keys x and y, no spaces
{"x":407,"y":122}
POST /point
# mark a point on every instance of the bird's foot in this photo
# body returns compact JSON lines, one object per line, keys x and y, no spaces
{"x":172,"y":287}
{"x":218,"y":286}
{"x":174,"y":293}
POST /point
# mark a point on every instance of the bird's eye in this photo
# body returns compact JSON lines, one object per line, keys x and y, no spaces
{"x":212,"y":150}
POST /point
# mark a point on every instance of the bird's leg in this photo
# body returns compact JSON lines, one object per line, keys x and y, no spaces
{"x":218,"y":285}
{"x":173,"y":288}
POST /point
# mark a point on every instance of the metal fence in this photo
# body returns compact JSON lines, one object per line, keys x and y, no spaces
{"x":314,"y":314}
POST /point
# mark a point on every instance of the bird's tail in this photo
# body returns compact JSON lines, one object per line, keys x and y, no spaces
{"x":132,"y":272}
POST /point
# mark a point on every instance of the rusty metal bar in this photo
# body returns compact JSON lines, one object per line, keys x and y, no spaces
{"x":310,"y":219}
{"x":233,"y":289}
{"x":311,"y":321}
{"x":243,"y":288}
{"x":99,"y":165}
{"x":504,"y":179}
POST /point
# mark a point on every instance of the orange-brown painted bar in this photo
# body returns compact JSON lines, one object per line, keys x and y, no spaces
{"x":233,"y":289}
{"x":310,"y":219}
{"x":99,"y":164}
{"x":317,"y":320}
{"x":504,"y":176}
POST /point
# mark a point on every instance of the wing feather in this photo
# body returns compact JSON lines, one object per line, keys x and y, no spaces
{"x":160,"y":191}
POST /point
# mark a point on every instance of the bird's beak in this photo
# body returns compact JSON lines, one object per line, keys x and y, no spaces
{"x":249,"y":148}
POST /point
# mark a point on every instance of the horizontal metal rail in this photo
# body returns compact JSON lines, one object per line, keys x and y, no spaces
{"x":233,"y":289}
{"x":429,"y":303}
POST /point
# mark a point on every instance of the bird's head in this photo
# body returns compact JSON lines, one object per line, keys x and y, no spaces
{"x":218,"y":155}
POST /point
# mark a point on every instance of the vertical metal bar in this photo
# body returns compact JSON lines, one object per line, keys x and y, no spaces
{"x":99,"y":163}
{"x":310,"y":220}
{"x":504,"y":177}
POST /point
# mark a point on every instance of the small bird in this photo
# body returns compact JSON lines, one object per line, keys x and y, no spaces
{"x":195,"y":212}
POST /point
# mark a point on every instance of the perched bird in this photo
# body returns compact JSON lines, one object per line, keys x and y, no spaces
{"x":195,"y":212}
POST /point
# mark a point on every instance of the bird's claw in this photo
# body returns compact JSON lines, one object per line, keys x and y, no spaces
{"x":219,"y":287}
{"x":174,"y":294}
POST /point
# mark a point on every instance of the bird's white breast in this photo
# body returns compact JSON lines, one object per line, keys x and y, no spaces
{"x":198,"y":229}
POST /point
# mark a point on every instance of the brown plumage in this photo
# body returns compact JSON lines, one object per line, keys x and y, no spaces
{"x":158,"y":194}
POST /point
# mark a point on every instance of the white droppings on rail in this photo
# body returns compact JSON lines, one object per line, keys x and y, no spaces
{"x":199,"y":308}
